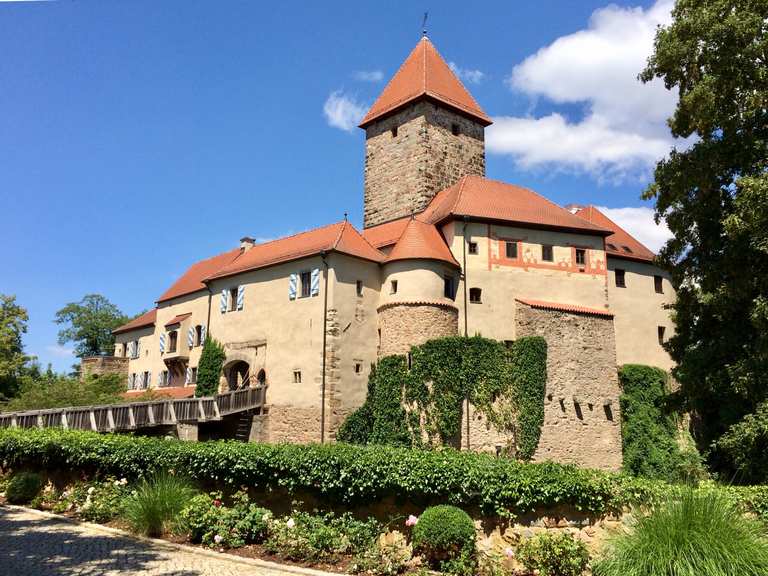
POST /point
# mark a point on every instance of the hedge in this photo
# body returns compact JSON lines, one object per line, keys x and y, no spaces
{"x":342,"y":474}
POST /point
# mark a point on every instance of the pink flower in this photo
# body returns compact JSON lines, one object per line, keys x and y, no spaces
{"x":217,"y":503}
{"x":509,"y":553}
{"x":411,"y":521}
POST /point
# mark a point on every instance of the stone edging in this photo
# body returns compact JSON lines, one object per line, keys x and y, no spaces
{"x":179,"y":547}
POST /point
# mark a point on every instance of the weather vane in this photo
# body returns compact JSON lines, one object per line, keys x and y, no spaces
{"x":424,"y":24}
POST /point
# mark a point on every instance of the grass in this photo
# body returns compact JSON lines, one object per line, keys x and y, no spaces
{"x":693,"y":535}
{"x":155,"y":506}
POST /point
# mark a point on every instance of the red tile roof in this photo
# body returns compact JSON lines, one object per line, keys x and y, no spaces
{"x":478,"y":197}
{"x":340,"y":237}
{"x":171,"y":392}
{"x":425,"y":74}
{"x":565,"y":307}
{"x":146,"y":319}
{"x":421,"y":241}
{"x":386,"y":234}
{"x":178,"y":319}
{"x":192,"y":280}
{"x":617,"y":243}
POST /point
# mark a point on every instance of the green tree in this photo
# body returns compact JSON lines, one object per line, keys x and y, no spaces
{"x":89,"y":324}
{"x":13,"y":361}
{"x":714,"y":196}
{"x":51,"y":390}
{"x":209,"y":367}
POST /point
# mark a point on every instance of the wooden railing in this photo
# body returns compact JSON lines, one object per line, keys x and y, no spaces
{"x":116,"y":417}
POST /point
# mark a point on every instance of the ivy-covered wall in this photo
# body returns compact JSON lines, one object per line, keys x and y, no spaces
{"x":423,"y":404}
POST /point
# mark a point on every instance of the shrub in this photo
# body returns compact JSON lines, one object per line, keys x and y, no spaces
{"x":104,"y":500}
{"x":445,"y":536}
{"x":554,"y":554}
{"x":695,"y":533}
{"x":156,"y":503}
{"x":23,"y":487}
{"x":53,"y":391}
{"x":744,"y":447}
{"x":209,"y":367}
{"x":206,"y":519}
{"x":388,"y":556}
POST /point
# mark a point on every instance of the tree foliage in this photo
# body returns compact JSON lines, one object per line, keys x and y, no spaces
{"x":714,"y":196}
{"x":13,"y":361}
{"x":209,"y":368}
{"x":744,"y":447}
{"x":89,"y":324}
{"x":56,"y":391}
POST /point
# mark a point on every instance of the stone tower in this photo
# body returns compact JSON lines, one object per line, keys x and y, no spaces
{"x":423,"y":133}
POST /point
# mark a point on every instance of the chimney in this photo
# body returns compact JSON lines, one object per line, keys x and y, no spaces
{"x":246,"y":243}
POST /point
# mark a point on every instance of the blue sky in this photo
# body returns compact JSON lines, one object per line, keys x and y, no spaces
{"x":139,"y":136}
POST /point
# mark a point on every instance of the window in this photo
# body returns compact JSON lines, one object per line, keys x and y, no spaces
{"x":306,"y":283}
{"x":164,"y":378}
{"x":472,"y":247}
{"x":198,"y":335}
{"x":145,"y":380}
{"x":455,"y":129}
{"x":546,"y":253}
{"x":232,"y":299}
{"x":358,"y":368}
{"x":620,"y":279}
{"x":297,"y":376}
{"x":173,"y":340}
{"x":658,"y":284}
{"x":475,"y":295}
{"x":627,"y":249}
{"x":359,"y":288}
{"x":612,"y":247}
{"x":581,"y":256}
{"x":393,"y":131}
{"x":660,"y":331}
{"x":393,"y":287}
{"x":511,"y":250}
{"x":448,"y":288}
{"x":193,"y":375}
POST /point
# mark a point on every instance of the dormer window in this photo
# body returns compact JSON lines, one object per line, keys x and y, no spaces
{"x":612,"y":247}
{"x":627,"y":249}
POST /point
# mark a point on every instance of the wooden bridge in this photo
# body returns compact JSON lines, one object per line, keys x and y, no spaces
{"x":135,"y":415}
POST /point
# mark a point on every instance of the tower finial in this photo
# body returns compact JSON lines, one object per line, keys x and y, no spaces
{"x":424,"y":24}
{"x":345,"y":216}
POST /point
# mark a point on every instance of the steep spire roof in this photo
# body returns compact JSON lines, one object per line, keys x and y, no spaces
{"x":420,"y":240}
{"x":425,"y":74}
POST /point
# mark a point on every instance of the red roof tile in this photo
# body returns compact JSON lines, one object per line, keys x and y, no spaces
{"x":421,"y":241}
{"x":620,"y":243}
{"x":178,"y":319}
{"x":340,"y":237}
{"x":192,"y":280}
{"x":565,"y":307}
{"x":171,"y":392}
{"x":425,"y":74}
{"x":478,"y":197}
{"x":146,"y":319}
{"x":386,"y":234}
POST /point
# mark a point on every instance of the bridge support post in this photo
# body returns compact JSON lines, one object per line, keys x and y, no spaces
{"x":188,"y":432}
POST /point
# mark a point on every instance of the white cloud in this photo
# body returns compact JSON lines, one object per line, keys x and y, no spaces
{"x":469,"y":75}
{"x":623,"y":130}
{"x":638,"y":221}
{"x":60,"y":351}
{"x":343,"y":111}
{"x":369,"y":75}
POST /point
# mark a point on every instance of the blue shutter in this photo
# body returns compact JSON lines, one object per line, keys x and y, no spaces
{"x":223,"y":303}
{"x":188,"y":376}
{"x":202,"y":334}
{"x":191,"y":337}
{"x":292,"y":283}
{"x":132,"y":381}
{"x":240,"y":297}
{"x":149,"y":380}
{"x":315,"y":290}
{"x":162,"y":342}
{"x":137,"y":349}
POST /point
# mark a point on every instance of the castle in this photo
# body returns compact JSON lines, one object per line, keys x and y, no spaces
{"x":443,"y":251}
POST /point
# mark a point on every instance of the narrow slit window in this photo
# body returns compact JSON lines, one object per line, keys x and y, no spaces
{"x":620,"y":278}
{"x":546,"y":253}
{"x":448,"y":288}
{"x":511,"y":250}
{"x":475,"y":295}
{"x":297,"y":376}
{"x":359,"y":288}
{"x":198,"y":335}
{"x":306,"y":283}
{"x":358,"y":368}
{"x":393,"y":287}
{"x":658,"y":284}
{"x":660,"y":332}
{"x":393,"y":131}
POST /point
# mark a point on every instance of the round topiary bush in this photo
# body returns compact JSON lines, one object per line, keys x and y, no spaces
{"x":445,"y":536}
{"x":23,"y":487}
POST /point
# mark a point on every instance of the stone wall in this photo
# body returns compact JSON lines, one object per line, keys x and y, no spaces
{"x":98,"y":365}
{"x":291,"y":424}
{"x":582,"y":423}
{"x":407,"y":324}
{"x":403,"y":172}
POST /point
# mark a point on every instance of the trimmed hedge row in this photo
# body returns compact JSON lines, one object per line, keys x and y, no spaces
{"x":345,"y":474}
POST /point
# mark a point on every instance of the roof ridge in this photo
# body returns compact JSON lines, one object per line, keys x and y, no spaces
{"x":315,"y":229}
{"x":338,"y":236}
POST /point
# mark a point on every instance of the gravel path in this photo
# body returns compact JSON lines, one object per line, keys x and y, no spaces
{"x":32,"y":544}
